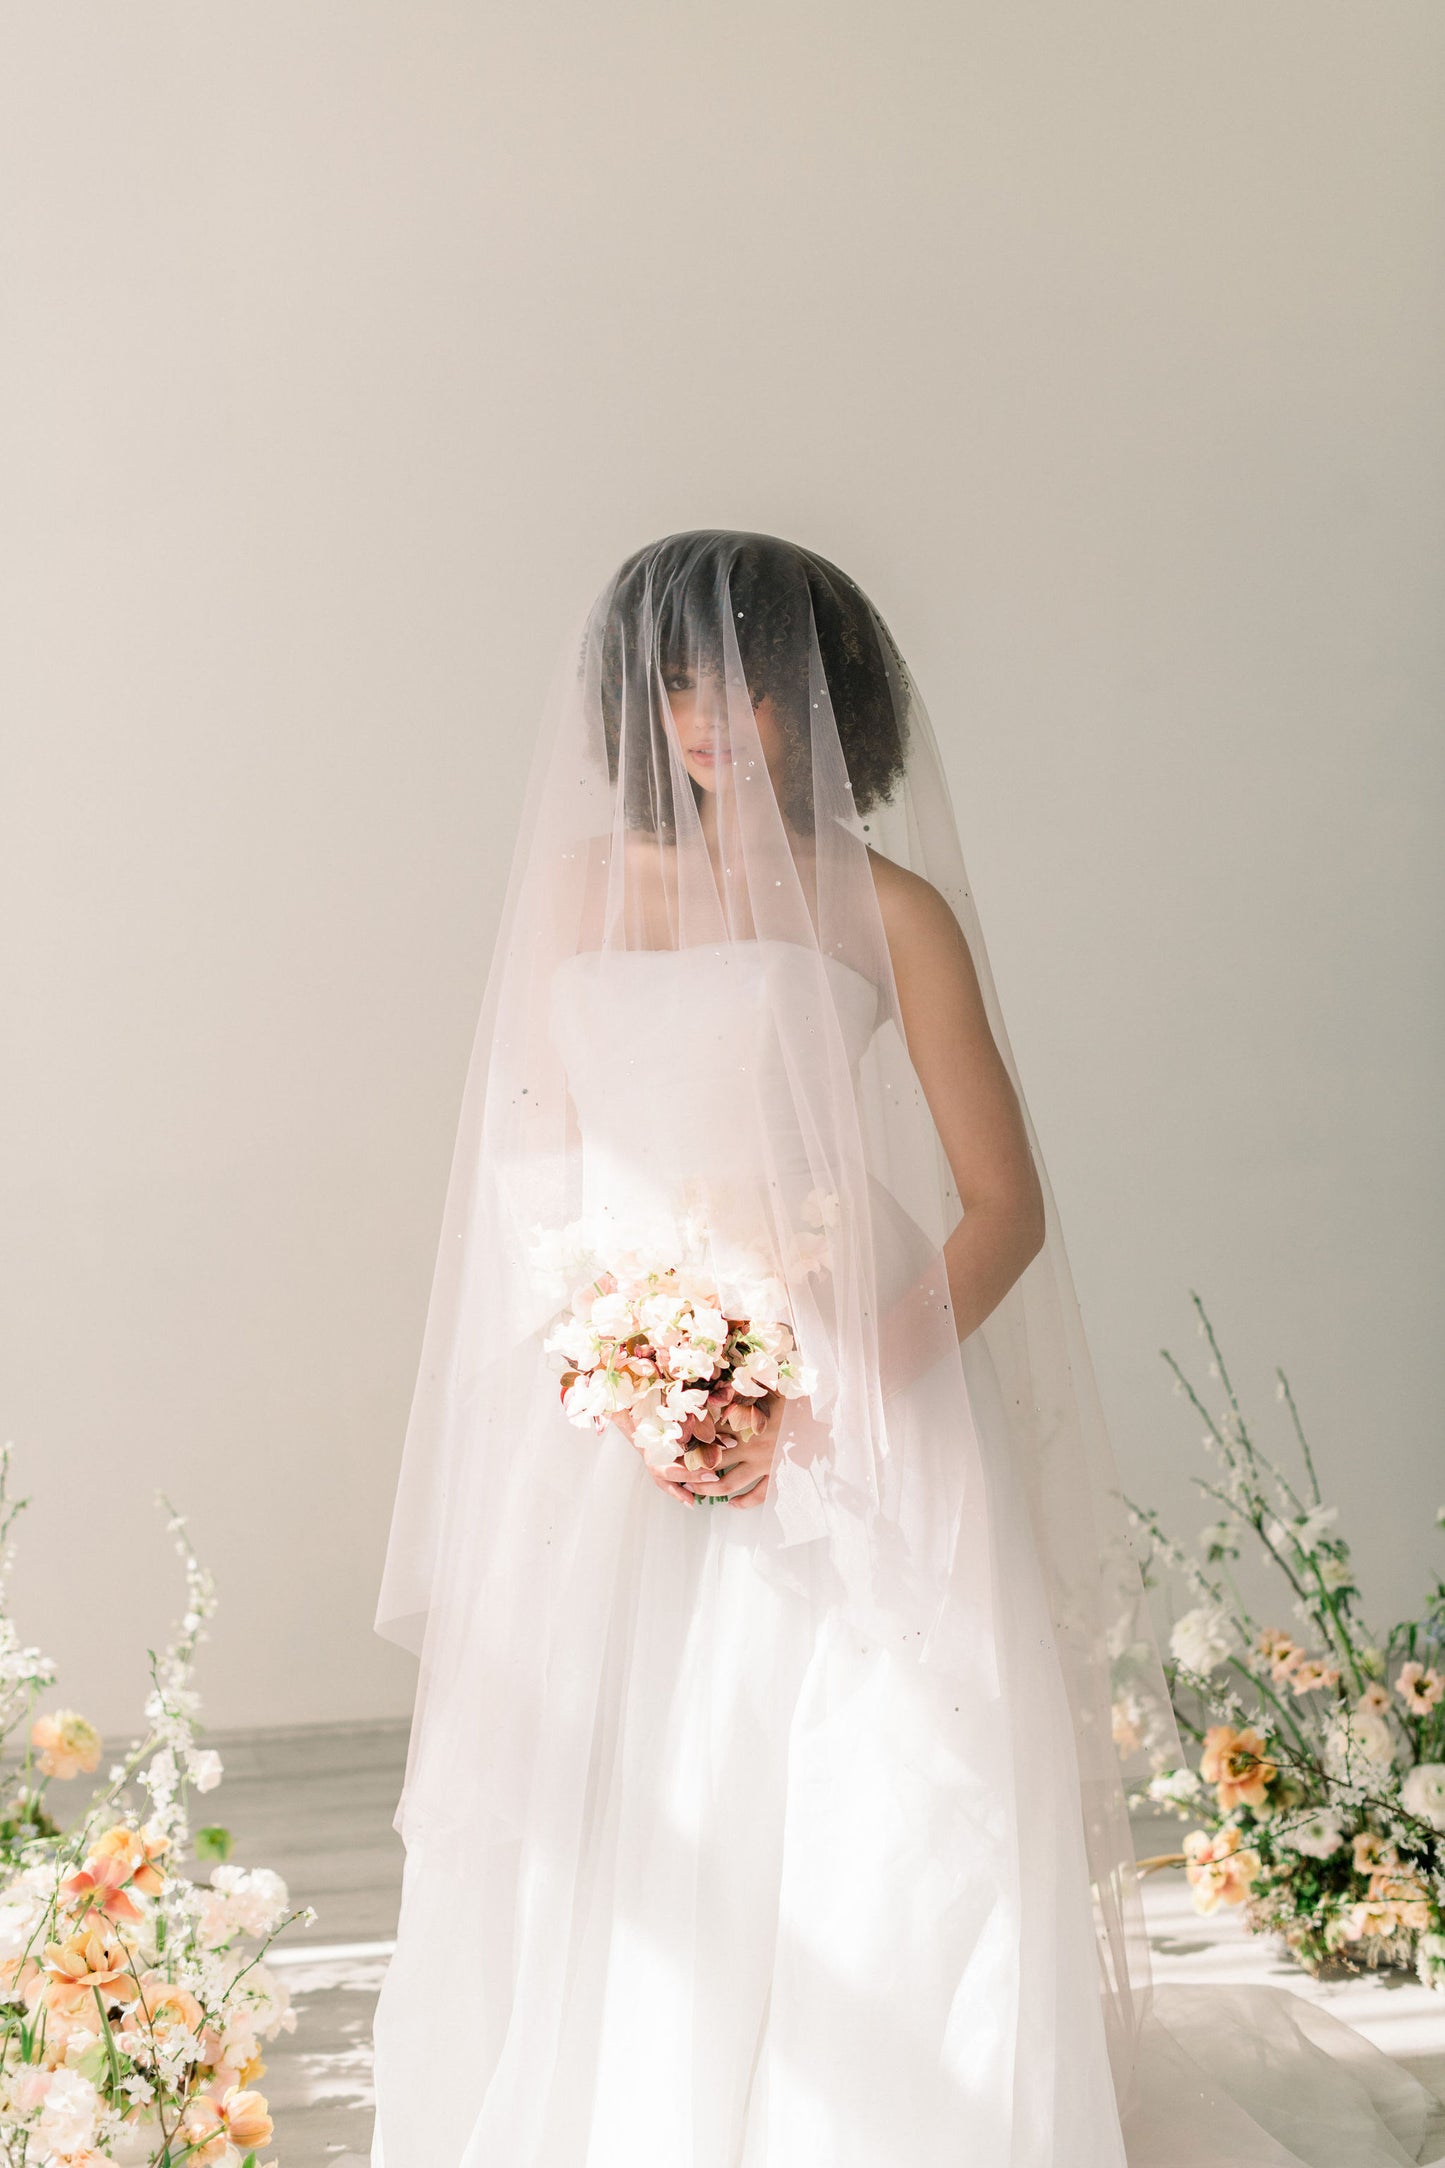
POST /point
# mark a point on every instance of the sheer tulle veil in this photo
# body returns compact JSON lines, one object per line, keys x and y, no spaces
{"x":824,"y":756}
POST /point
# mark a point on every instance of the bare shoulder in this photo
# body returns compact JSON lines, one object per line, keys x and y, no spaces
{"x":918,"y":920}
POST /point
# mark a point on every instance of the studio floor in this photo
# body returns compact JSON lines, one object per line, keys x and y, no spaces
{"x":316,"y":1805}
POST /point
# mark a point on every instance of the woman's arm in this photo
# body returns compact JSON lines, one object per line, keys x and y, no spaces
{"x":969,"y":1095}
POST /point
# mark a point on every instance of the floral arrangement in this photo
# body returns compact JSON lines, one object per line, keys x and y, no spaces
{"x":133,"y":2000}
{"x":1319,"y":1766}
{"x":684,"y":1345}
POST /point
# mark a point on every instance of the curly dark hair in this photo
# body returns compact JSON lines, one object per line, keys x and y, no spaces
{"x":664,"y":609}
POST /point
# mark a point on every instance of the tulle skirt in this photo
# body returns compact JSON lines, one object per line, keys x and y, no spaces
{"x":796,"y":1902}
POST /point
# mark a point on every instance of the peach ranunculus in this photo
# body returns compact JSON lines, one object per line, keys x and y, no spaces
{"x":1219,"y":1869}
{"x":1421,"y":1687}
{"x":168,"y":2006}
{"x":66,"y":1744}
{"x":140,"y":1849}
{"x":99,"y":1888}
{"x":1234,"y":1762}
{"x":86,"y":1961}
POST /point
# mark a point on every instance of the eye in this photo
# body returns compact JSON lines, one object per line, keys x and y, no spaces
{"x":677,"y":681}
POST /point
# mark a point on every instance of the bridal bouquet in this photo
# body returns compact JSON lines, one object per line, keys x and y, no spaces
{"x":1319,"y":1767}
{"x":691,"y":1343}
{"x":133,"y":2001}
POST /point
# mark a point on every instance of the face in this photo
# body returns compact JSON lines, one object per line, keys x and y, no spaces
{"x":699,"y":713}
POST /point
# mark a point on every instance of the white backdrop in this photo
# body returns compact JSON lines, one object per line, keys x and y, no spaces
{"x":349,"y":346}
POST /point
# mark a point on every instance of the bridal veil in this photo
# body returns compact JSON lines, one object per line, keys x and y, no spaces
{"x":764,"y":659}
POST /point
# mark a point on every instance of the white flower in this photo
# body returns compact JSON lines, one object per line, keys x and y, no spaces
{"x":204,"y":1769}
{"x":1201,"y":1640}
{"x":1423,"y":1793}
{"x":1309,"y":1533}
{"x":1430,"y":1960}
{"x":820,"y":1208}
{"x":656,"y":1438}
{"x":1220,"y":1536}
{"x":1318,"y":1836}
{"x":267,"y":2011}
{"x":136,"y":2142}
{"x":67,"y":2121}
{"x":613,"y":1316}
{"x":1335,"y":1573}
{"x":707,"y":1326}
{"x":259,"y":1899}
{"x":1175,"y":1787}
{"x":1357,"y":1736}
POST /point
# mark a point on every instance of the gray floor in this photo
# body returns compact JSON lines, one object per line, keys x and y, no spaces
{"x":316,"y":1805}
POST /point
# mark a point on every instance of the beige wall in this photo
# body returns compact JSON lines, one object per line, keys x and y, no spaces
{"x":348,"y":346}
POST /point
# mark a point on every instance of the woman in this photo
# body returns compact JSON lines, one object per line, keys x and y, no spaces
{"x":788,"y":1833}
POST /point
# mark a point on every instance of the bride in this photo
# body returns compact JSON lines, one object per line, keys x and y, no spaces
{"x":756,"y":1527}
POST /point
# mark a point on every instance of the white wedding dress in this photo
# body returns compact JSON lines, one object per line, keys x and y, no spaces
{"x":784,"y":1898}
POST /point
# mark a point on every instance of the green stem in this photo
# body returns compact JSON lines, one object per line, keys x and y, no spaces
{"x":1299,"y":1431}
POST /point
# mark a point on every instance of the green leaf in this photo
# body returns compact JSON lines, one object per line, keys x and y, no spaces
{"x":212,"y":1842}
{"x":93,"y":2063}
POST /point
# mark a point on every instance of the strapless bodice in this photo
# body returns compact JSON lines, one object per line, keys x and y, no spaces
{"x":706,"y":1061}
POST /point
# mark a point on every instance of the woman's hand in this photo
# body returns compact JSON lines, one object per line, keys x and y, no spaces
{"x":737,"y":1471}
{"x":740,"y":1470}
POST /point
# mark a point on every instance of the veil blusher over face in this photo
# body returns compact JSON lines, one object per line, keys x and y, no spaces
{"x":759,"y":883}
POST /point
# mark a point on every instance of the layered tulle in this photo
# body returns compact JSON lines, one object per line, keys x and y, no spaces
{"x":792,"y":1839}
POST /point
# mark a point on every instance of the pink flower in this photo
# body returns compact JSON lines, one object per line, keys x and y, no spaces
{"x":1375,"y":1699}
{"x":1367,"y":1848}
{"x":1420,"y":1687}
{"x":1219,"y":1870}
{"x":1234,"y":1763}
{"x":100,"y":1887}
{"x":66,"y":1744}
{"x":1309,"y":1676}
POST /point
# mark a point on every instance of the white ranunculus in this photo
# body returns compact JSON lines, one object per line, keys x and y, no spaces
{"x":1318,"y":1836}
{"x":1357,"y":1738}
{"x":1201,"y":1640}
{"x":1423,"y":1793}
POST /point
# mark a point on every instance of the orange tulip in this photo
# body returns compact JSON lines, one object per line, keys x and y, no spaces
{"x":247,"y":2121}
